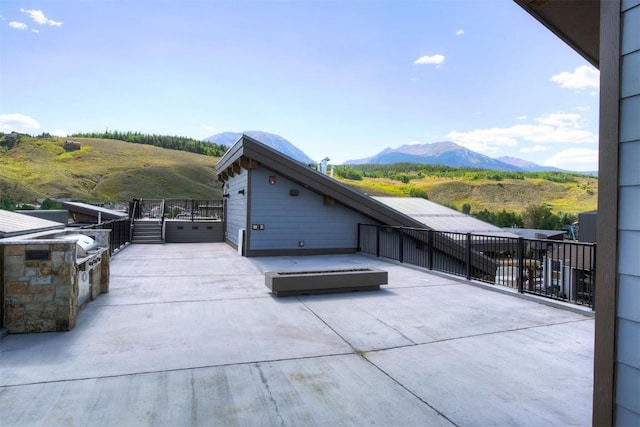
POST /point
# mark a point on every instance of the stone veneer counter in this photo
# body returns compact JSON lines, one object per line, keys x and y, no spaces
{"x":40,"y":281}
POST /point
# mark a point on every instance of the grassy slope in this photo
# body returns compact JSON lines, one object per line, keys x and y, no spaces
{"x":510,"y":194}
{"x":108,"y":170}
{"x":104,"y":170}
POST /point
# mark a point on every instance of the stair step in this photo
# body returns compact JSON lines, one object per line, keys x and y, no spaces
{"x":147,"y":233}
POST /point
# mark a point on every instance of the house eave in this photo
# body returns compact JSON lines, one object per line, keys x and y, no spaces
{"x":576,"y":22}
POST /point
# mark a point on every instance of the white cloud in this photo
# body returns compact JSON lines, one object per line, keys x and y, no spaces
{"x":18,"y":25}
{"x":413,"y":142}
{"x":584,"y":77}
{"x":17,"y":122}
{"x":546,"y":129}
{"x":59,"y":132}
{"x":523,"y":117}
{"x":39,"y":17}
{"x":414,"y":79}
{"x":436,"y":60}
{"x":577,"y":159}
{"x":35,"y":31}
{"x":208,"y":127}
{"x":534,"y":149}
{"x":459,"y":32}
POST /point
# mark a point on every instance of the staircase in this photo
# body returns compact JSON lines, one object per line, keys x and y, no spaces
{"x":147,"y":232}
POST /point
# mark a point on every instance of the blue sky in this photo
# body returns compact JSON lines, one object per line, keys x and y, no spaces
{"x":343,"y":79}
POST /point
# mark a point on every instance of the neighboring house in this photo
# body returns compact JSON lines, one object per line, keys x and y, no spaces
{"x":57,"y":215}
{"x":84,"y":212}
{"x":14,"y":224}
{"x":275,"y":205}
{"x":536,"y":233}
{"x":278,"y":206}
{"x":441,"y":218}
{"x":607,"y":34}
{"x":484,"y":237}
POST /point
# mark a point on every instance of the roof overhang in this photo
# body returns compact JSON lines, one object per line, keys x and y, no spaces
{"x":14,"y":224}
{"x":93,"y":211}
{"x":576,"y":22}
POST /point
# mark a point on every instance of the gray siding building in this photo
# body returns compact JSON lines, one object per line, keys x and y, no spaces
{"x":292,"y":216}
{"x":236,"y":205}
{"x":627,"y":368}
{"x":607,"y":34}
{"x":275,"y":205}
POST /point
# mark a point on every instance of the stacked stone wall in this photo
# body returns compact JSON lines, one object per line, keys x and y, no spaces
{"x":40,"y":295}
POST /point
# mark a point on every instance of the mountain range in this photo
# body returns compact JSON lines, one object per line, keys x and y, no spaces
{"x":448,"y":154}
{"x":439,"y":153}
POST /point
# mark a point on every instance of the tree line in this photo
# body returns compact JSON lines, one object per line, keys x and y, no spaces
{"x":8,"y":204}
{"x":539,"y":217}
{"x":164,"y":141}
{"x":405,"y":172}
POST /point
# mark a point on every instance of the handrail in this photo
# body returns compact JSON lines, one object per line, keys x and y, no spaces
{"x":162,"y":220}
{"x":183,"y":209}
{"x":121,"y":232}
{"x":563,"y":270}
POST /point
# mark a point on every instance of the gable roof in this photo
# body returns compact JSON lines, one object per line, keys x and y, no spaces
{"x":247,"y":152}
{"x":576,"y":22}
{"x":16,"y":224}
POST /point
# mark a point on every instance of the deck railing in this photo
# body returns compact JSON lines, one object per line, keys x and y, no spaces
{"x":120,"y":233}
{"x":561,"y":270}
{"x":181,"y":209}
{"x":193,"y":210}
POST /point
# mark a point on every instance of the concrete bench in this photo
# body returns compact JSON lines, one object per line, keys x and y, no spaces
{"x":324,"y":281}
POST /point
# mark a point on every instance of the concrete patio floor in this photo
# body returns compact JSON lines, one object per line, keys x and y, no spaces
{"x":189,"y":335}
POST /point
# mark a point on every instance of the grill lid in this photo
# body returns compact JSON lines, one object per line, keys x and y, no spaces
{"x":83,"y":243}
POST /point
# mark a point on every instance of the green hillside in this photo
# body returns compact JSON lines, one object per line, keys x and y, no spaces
{"x":102,"y":170}
{"x":107,"y":170}
{"x":494,"y":191}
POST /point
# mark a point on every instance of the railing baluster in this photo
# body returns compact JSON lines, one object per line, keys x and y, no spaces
{"x":568,"y":267}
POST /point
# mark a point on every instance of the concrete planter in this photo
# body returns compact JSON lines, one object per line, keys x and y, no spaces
{"x":324,"y":281}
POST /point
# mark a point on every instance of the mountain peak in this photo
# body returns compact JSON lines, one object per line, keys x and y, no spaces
{"x":274,"y":141}
{"x":428,"y":149}
{"x":445,"y":153}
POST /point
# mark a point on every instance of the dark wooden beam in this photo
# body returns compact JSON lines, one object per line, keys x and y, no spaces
{"x":606,"y":286}
{"x":248,"y":163}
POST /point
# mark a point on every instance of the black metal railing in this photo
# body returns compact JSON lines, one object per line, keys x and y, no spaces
{"x":147,"y":209}
{"x":181,"y":209}
{"x":193,"y":210}
{"x":555,"y":269}
{"x":120,"y":233}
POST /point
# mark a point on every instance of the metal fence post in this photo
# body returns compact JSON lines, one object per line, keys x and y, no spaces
{"x":469,"y":265}
{"x":401,"y":243}
{"x":520,"y":265}
{"x":430,"y":253}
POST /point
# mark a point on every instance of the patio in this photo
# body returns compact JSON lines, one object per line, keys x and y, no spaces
{"x":189,"y":335}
